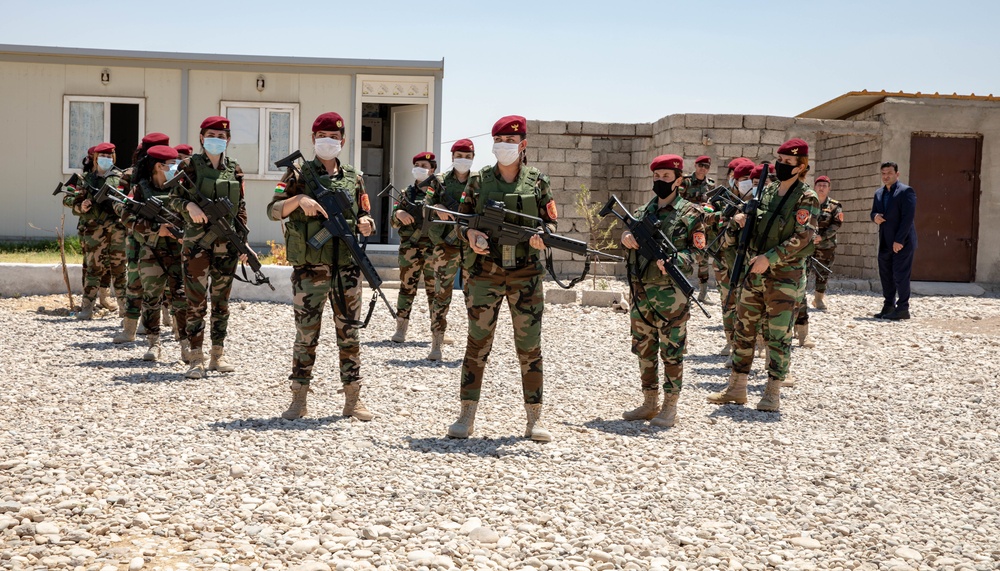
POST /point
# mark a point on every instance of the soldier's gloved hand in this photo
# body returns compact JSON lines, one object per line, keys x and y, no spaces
{"x":196,"y":213}
{"x":404,"y":217}
{"x":85,"y":205}
{"x":536,"y":242}
{"x":311,"y":207}
{"x":478,"y":241}
{"x":366,"y":226}
{"x":628,"y":240}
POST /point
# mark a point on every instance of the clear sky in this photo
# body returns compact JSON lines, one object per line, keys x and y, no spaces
{"x":584,"y":61}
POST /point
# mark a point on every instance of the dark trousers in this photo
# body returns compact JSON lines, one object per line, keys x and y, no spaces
{"x":894,"y":273}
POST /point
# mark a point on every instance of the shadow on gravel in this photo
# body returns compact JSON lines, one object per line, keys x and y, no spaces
{"x":622,"y":427}
{"x":278,"y":423}
{"x":485,"y":447}
{"x":387,"y":343}
{"x":745,"y":413}
{"x":149,"y":377}
{"x":424,"y":364}
{"x":95,"y":344}
{"x":720,"y":371}
{"x":120,"y":364}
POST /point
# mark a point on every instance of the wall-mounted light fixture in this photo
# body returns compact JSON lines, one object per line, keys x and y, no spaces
{"x":260,"y":83}
{"x":706,"y":139}
{"x":105,"y":76}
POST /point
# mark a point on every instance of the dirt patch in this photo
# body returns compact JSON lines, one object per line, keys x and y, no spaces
{"x":43,"y":304}
{"x":969,"y":325}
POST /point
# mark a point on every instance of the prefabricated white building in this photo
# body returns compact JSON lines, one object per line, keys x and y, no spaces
{"x":57,"y":102}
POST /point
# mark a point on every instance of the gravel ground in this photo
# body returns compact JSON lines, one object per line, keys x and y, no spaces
{"x":885,"y":455}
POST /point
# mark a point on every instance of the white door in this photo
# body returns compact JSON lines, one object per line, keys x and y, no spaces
{"x":408,"y":124}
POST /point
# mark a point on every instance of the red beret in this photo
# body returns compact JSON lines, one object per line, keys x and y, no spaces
{"x":743,"y":169}
{"x":823,"y":178}
{"x":703,"y":159}
{"x":795,"y":148}
{"x":153,"y":139}
{"x":216,"y":122}
{"x":90,"y":151}
{"x":329,"y":121}
{"x":186,"y":149}
{"x":667,"y":162}
{"x":424,"y":156}
{"x":162,"y":153}
{"x":511,"y":125}
{"x":104,"y":148}
{"x":736,"y":162}
{"x":463,"y":146}
{"x":757,"y":171}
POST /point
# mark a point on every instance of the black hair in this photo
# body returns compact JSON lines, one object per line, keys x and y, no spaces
{"x":88,"y":164}
{"x":144,"y":168}
{"x":888,"y":164}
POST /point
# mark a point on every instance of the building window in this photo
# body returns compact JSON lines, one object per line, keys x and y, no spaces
{"x":262,"y":134}
{"x":88,"y":121}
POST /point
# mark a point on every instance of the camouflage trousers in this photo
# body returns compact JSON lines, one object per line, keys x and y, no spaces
{"x":104,"y":258}
{"x":704,"y":262}
{"x":666,"y":336}
{"x":486,"y":290}
{"x":133,"y":291}
{"x":312,"y":287}
{"x":217,"y":264}
{"x":801,"y":307}
{"x":414,"y":263}
{"x":728,"y":309}
{"x":162,"y":275}
{"x":444,"y":264}
{"x":767,"y":304}
{"x":826,"y":258}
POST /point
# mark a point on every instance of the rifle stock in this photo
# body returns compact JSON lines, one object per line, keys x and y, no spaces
{"x":749,"y":208}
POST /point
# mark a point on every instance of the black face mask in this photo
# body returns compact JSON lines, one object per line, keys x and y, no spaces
{"x":662,"y":188}
{"x":783,"y":171}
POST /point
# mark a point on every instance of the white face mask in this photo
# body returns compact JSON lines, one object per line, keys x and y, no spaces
{"x":420,"y":174}
{"x":462,"y":165}
{"x":732,"y":183}
{"x":506,"y":153}
{"x":327,"y":148}
{"x":745,"y":186}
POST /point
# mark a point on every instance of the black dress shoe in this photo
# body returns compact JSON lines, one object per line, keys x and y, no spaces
{"x":885,"y":311}
{"x":898,"y":314}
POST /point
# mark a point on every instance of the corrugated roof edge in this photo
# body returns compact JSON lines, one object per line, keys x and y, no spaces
{"x":818,"y":112}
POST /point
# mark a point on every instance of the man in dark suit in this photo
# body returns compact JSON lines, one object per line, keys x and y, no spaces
{"x":893,"y":209}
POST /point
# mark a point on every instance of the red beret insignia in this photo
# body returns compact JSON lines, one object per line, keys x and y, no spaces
{"x":794,"y":147}
{"x":340,"y":124}
{"x":802,"y":216}
{"x":667,"y":162}
{"x":699,"y":240}
{"x":551,"y":210}
{"x":366,"y":203}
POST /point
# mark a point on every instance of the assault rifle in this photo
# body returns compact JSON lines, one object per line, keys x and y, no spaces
{"x":493,"y":223}
{"x":653,"y":245}
{"x":820,"y":268}
{"x":95,"y":195}
{"x":338,"y":206}
{"x":151,"y":210}
{"x":70,"y":184}
{"x":748,"y":208}
{"x":218,"y":227}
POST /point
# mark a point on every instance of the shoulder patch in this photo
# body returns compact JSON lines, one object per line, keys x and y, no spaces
{"x":366,"y":203}
{"x":840,"y":217}
{"x":551,"y":210}
{"x":699,"y":240}
{"x":802,"y":216}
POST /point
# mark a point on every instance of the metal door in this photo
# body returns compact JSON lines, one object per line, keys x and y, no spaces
{"x":944,"y":172}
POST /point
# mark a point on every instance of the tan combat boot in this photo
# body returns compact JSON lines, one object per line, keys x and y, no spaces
{"x":166,"y":320}
{"x":668,"y":414}
{"x":86,"y":310}
{"x":725,"y":351}
{"x":729,"y":362}
{"x":772,"y":396}
{"x":141,"y":328}
{"x":122,"y":305}
{"x":153,"y":353}
{"x":298,"y":408}
{"x":466,"y":423}
{"x":436,"y":340}
{"x":802,"y":334}
{"x":448,"y":339}
{"x":788,"y":381}
{"x":127,"y":334}
{"x":736,"y":391}
{"x":401,"y":325}
{"x":818,"y":300}
{"x":648,"y":409}
{"x":105,"y":300}
{"x":196,"y":365}
{"x":761,"y":347}
{"x":703,"y":292}
{"x":217,"y":360}
{"x":185,"y":351}
{"x":352,"y":403}
{"x":176,"y":329}
{"x":534,"y":429}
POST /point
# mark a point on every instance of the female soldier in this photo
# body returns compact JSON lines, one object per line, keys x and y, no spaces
{"x":160,"y":268}
{"x":659,"y":311}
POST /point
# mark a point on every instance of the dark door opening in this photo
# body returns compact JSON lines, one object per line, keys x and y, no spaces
{"x":124,"y":132}
{"x":944,"y":171}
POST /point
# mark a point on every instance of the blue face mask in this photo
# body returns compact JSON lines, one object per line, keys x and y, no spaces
{"x":214,"y":146}
{"x":171,"y":171}
{"x":105,"y":163}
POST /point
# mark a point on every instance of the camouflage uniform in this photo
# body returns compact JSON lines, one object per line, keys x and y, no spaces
{"x":133,"y":282}
{"x":660,"y":313}
{"x":315,"y":273}
{"x":513,"y":273}
{"x":159,"y":266}
{"x":215,"y":261}
{"x":102,"y":236}
{"x":771,"y":297}
{"x":448,"y":249}
{"x":831,"y":217}
{"x":415,"y":253}
{"x":723,"y":259}
{"x":696,"y":191}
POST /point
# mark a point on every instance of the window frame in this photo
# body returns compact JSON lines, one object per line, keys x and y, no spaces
{"x":107,"y":101}
{"x":263,"y":133}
